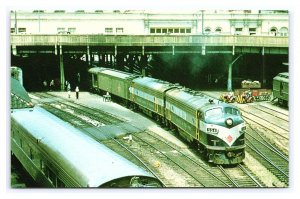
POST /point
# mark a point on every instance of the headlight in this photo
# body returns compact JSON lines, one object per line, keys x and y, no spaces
{"x":230,"y":154}
{"x":212,"y":130}
{"x":229,"y":122}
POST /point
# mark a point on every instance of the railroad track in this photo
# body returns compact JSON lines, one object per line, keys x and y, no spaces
{"x":197,"y":172}
{"x":271,"y":157}
{"x":205,"y":174}
{"x":272,"y":111}
{"x":275,"y":128}
{"x":240,"y":176}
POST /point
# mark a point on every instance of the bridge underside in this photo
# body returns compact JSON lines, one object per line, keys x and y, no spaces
{"x":192,"y":66}
{"x":114,"y":50}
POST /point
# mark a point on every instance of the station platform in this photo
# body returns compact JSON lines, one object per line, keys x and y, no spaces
{"x":138,"y":120}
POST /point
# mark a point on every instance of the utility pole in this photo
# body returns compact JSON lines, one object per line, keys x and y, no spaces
{"x":229,"y":81}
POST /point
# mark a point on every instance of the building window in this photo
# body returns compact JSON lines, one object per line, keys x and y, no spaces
{"x":59,"y":11}
{"x":71,"y":30}
{"x":119,"y":30}
{"x":12,"y":30}
{"x":108,"y":30}
{"x":22,"y":30}
{"x":283,"y":31}
{"x":238,"y":31}
{"x":60,"y":30}
{"x":252,"y":31}
{"x":207,"y":30}
{"x":218,"y":30}
{"x":79,"y":11}
{"x":273,"y":31}
{"x":38,"y":11}
{"x":170,"y":30}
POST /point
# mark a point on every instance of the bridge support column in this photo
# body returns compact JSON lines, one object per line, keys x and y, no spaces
{"x":61,"y":69}
{"x":88,"y":55}
{"x":264,"y":80}
{"x":14,"y":49}
{"x":203,"y":50}
{"x":143,"y":64}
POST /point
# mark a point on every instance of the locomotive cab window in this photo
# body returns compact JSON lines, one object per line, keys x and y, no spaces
{"x":213,"y":112}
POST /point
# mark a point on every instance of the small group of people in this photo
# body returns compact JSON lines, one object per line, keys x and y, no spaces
{"x":68,"y":88}
{"x":52,"y":85}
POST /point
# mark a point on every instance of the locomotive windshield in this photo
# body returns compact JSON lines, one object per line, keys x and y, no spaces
{"x":219,"y":111}
{"x":232,"y":111}
{"x":213,"y":112}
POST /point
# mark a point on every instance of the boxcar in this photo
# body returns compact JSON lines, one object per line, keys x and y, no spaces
{"x":109,"y":80}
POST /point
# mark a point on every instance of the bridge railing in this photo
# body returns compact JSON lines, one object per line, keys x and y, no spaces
{"x":149,"y":40}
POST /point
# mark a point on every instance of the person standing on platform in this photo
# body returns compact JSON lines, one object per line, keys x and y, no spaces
{"x":77,"y":92}
{"x":45,"y":85}
{"x":69,"y":90}
{"x":51,"y":85}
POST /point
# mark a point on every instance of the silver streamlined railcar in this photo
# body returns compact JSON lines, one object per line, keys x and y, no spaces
{"x":17,"y":73}
{"x":216,"y":129}
{"x":57,"y":154}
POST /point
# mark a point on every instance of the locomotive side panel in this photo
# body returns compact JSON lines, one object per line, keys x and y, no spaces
{"x":183,"y":117}
{"x":149,"y":93}
{"x":146,"y":97}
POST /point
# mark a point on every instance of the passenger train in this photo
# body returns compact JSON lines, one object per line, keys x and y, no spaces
{"x":57,"y":154}
{"x":217,"y":129}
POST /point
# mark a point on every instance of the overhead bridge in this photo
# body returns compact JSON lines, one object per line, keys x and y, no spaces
{"x":131,"y":49}
{"x":153,"y":43}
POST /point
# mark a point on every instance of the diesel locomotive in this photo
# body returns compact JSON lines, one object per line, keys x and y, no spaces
{"x":215,"y":128}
